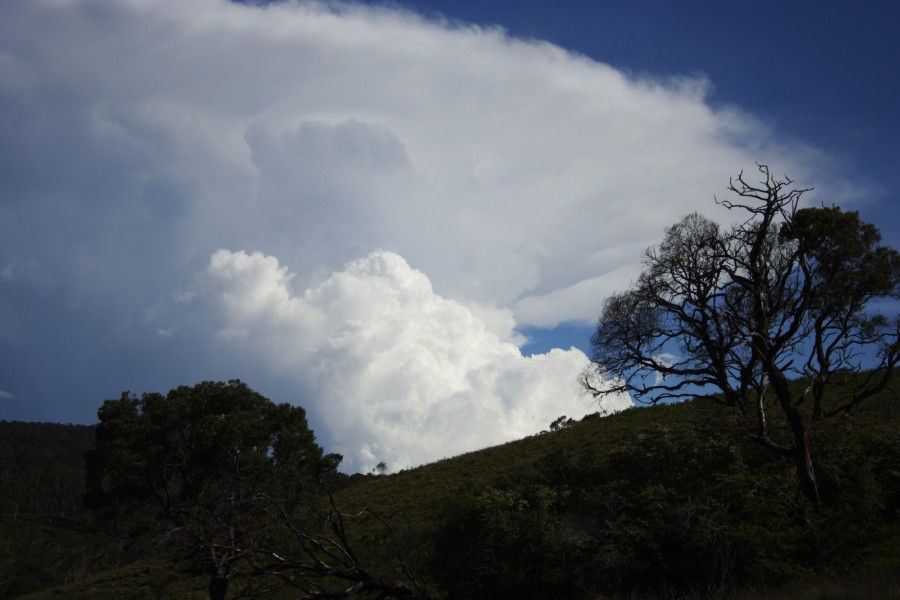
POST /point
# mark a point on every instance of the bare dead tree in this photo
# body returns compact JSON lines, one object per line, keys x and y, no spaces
{"x":310,"y":552}
{"x":786,"y":293}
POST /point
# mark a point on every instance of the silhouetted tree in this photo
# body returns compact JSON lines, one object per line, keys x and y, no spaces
{"x":193,"y":463}
{"x":237,"y":482}
{"x":786,"y":293}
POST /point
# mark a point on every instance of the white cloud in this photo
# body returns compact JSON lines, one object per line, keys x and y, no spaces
{"x":395,"y":371}
{"x":319,"y":132}
{"x":520,"y":180}
{"x":579,"y":298}
{"x":4,"y":394}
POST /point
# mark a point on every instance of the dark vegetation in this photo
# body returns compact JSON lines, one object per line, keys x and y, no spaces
{"x":659,"y":502}
{"x":45,"y":533}
{"x":785,"y":482}
{"x":232,"y":485}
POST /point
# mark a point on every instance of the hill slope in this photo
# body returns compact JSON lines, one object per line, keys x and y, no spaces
{"x":673,"y":500}
{"x":601,"y":501}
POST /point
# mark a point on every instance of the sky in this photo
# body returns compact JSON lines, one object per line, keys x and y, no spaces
{"x":403,"y":217}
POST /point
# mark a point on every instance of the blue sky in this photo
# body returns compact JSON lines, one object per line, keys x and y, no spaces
{"x":403,"y":217}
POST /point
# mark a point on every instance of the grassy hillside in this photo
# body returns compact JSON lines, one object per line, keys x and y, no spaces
{"x":667,"y":501}
{"x":419,"y":497}
{"x":660,"y":462}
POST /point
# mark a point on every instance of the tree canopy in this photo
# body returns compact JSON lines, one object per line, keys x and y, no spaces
{"x":239,"y":484}
{"x":788,"y":292}
{"x":194,"y":462}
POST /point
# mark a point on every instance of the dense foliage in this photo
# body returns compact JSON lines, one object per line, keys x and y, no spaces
{"x":236,"y":485}
{"x":673,"y":512}
{"x":661,"y":502}
{"x":194,"y":464}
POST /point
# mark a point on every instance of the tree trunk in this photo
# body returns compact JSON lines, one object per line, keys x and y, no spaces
{"x":218,"y":587}
{"x":818,"y":391}
{"x":806,"y":475}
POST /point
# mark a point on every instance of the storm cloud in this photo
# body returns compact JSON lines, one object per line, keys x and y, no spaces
{"x":355,"y":209}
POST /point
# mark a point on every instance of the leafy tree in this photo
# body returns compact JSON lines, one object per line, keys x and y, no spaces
{"x":786,"y":293}
{"x":194,"y":462}
{"x":238,"y":483}
{"x":561,"y":423}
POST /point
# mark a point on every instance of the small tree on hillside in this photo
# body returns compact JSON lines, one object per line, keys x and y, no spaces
{"x":786,"y":293}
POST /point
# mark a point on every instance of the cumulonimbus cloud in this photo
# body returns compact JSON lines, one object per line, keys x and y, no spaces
{"x":519,"y":180}
{"x":399,"y":373}
{"x":505,"y":169}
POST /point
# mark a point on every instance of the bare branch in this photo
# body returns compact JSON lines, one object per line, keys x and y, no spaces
{"x":784,"y":293}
